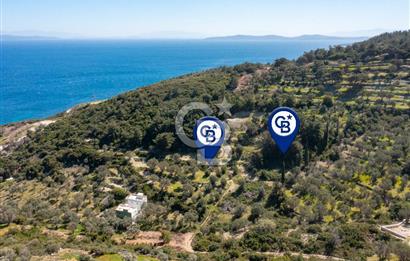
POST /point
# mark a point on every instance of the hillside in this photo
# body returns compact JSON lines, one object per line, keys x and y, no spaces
{"x":346,"y":173}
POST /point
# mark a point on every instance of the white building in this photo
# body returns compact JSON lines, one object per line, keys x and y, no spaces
{"x":132,"y":206}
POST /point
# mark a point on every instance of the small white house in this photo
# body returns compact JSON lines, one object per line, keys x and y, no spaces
{"x":132,"y":206}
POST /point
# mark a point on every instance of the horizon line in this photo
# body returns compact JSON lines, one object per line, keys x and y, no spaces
{"x":221,"y":37}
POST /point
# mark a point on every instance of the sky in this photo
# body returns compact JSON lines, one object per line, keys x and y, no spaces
{"x":200,"y":18}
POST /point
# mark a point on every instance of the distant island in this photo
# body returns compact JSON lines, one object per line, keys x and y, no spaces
{"x":306,"y":37}
{"x":11,"y":37}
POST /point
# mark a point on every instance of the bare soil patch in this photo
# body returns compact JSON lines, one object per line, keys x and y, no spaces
{"x":146,"y":238}
{"x":182,"y":242}
{"x":14,"y":134}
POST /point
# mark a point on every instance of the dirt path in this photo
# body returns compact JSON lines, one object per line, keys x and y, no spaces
{"x":305,"y":256}
{"x":232,"y":187}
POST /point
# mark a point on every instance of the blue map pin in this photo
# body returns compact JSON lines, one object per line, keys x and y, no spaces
{"x":283,"y":124}
{"x":209,"y":134}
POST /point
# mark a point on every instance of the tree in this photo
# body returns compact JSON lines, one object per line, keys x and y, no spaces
{"x":164,"y":141}
{"x":7,"y":253}
{"x":327,"y":101}
{"x":336,"y":76}
{"x":256,"y":212}
{"x":233,"y":83}
{"x":238,"y":224}
{"x":404,"y":213}
{"x":382,"y":250}
{"x":223,"y":182}
{"x":213,"y":179}
{"x":238,"y":211}
{"x":119,"y":193}
{"x":261,"y":193}
{"x":7,"y":215}
{"x":24,"y":254}
{"x":52,"y":247}
{"x":276,"y":197}
{"x":332,"y":240}
{"x":257,"y":257}
{"x":190,"y":218}
{"x":406,"y":168}
{"x":83,"y":257}
{"x":402,"y":250}
{"x":273,"y":157}
{"x":132,"y":231}
{"x":165,"y":236}
{"x":311,"y":134}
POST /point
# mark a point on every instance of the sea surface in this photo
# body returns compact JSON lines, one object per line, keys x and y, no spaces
{"x":42,"y":78}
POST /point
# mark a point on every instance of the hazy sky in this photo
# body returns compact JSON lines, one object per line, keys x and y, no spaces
{"x":121,"y":18}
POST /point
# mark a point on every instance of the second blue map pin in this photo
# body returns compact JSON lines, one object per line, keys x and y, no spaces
{"x":283,"y":125}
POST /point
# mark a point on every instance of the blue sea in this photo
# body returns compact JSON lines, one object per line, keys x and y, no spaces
{"x":42,"y":78}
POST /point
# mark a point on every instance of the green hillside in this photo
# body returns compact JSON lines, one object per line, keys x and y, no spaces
{"x":345,"y":175}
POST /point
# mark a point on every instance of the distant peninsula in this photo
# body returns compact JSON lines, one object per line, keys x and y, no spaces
{"x":306,"y":37}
